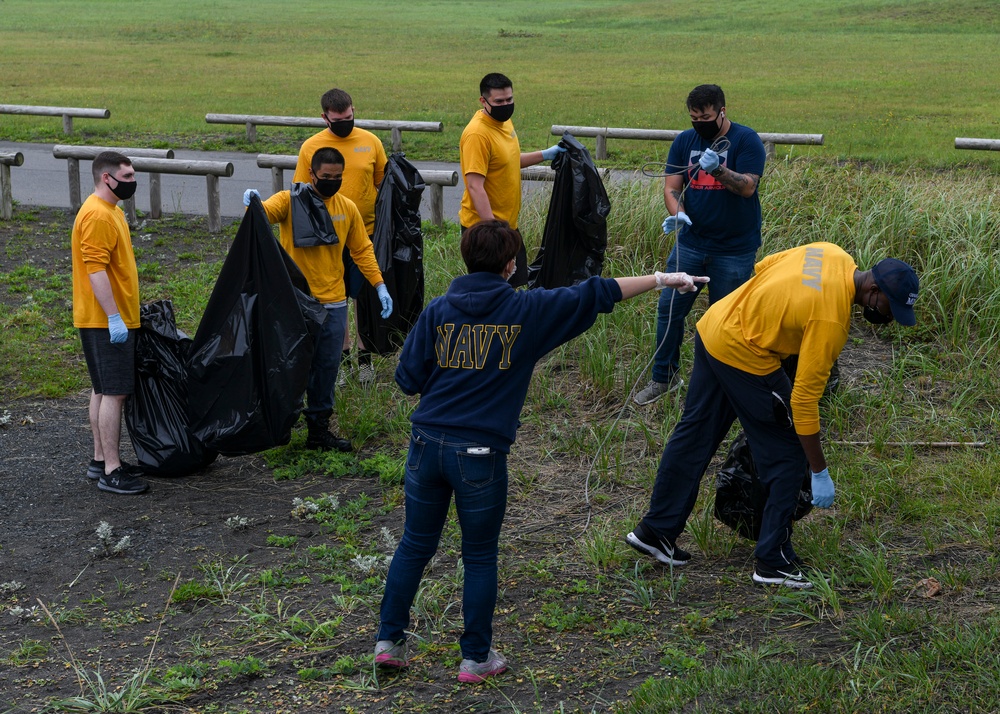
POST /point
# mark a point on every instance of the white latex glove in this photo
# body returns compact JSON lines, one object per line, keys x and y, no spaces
{"x":681,"y":282}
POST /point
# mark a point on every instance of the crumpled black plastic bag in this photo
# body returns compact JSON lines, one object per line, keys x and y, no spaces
{"x":156,"y":414}
{"x":576,"y":228}
{"x":311,"y":221}
{"x":740,"y":496}
{"x":399,"y":250}
{"x":250,"y":360}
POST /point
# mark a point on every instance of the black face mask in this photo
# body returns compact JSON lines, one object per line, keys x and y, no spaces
{"x":342,"y":127}
{"x":124,"y":190}
{"x":707,"y":130}
{"x":874,"y":316}
{"x":328,"y":187}
{"x":501,"y":113}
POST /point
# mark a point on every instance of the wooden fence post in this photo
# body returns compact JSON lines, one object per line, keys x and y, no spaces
{"x":602,"y":146}
{"x":155,"y":200}
{"x":6,"y":194}
{"x":129,"y":207}
{"x":67,"y":124}
{"x":397,"y":139}
{"x":437,"y":204}
{"x":251,"y":131}
{"x":277,"y":179}
{"x":73,"y":169}
{"x":214,"y":204}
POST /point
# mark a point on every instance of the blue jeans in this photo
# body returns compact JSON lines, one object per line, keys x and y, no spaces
{"x":326,"y":363}
{"x":717,"y":396}
{"x":438,"y":465}
{"x":727,"y":272}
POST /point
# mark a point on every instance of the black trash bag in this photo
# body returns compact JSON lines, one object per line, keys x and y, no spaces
{"x":576,"y":228}
{"x":249,"y":363}
{"x":156,"y":414}
{"x":740,"y":496}
{"x":399,"y":250}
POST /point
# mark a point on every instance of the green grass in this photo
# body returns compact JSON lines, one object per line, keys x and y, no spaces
{"x":892,"y":80}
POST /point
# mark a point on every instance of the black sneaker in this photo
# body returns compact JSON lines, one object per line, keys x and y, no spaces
{"x":95,"y":470}
{"x":122,"y":481}
{"x":644,"y":540}
{"x":325,"y":441}
{"x":791,"y":576}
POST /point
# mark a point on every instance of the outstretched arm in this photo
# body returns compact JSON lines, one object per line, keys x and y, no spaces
{"x":639,"y":284}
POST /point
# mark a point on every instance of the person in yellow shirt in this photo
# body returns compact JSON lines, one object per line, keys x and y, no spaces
{"x":491,"y":163}
{"x":106,"y":312}
{"x":798,"y":302}
{"x":364,"y":169}
{"x":317,"y":226}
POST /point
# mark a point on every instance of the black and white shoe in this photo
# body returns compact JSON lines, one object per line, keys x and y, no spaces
{"x":122,"y":481}
{"x":791,"y":576}
{"x":644,"y":540}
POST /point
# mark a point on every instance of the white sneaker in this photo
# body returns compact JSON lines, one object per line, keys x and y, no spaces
{"x":366,"y":373}
{"x":654,"y":390}
{"x":474,"y":672}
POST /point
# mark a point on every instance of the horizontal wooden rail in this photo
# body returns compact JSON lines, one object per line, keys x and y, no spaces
{"x":603,"y":133}
{"x":67,"y":113}
{"x":979,"y":144}
{"x":435,"y":178}
{"x":8,"y":159}
{"x":544,"y":173}
{"x":252,"y":121}
{"x":155,"y":162}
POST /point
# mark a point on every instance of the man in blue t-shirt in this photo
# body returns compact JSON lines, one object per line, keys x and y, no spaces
{"x":711,"y":194}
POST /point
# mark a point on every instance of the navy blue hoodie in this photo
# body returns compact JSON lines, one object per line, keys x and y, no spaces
{"x":471,"y":354}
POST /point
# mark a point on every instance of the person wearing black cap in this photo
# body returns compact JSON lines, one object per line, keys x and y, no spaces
{"x":798,"y":302}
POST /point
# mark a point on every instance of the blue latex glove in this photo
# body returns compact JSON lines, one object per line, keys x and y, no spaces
{"x":709,"y":161}
{"x":552,"y":152}
{"x":383,"y":297}
{"x":670,"y":224}
{"x":119,"y":333}
{"x":822,"y":487}
{"x":247,"y":194}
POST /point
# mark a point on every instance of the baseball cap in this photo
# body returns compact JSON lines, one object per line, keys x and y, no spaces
{"x":900,"y":284}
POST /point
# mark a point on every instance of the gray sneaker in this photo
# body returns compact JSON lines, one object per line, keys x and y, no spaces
{"x":654,"y":390}
{"x":474,"y":672}
{"x":391,"y":654}
{"x":366,"y":373}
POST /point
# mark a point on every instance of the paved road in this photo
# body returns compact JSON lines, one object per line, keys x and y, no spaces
{"x":43,"y":181}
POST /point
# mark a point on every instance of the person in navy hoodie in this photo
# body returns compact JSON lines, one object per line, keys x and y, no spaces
{"x":470,"y":357}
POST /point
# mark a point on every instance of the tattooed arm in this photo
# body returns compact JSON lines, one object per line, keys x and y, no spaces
{"x":741,"y":184}
{"x":672,"y":187}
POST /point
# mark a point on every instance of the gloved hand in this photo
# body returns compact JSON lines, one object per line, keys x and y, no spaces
{"x":822,"y":487}
{"x":119,"y":333}
{"x":670,"y":224}
{"x":552,"y":152}
{"x":247,"y":194}
{"x":709,"y":161}
{"x":681,"y":282}
{"x":383,"y":297}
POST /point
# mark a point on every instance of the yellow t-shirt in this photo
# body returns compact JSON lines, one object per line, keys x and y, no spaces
{"x":101,"y":241}
{"x":364,"y":167}
{"x":323,"y":265}
{"x":491,"y":149}
{"x":798,"y":302}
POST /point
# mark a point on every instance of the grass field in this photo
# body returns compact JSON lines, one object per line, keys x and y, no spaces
{"x":892,"y":80}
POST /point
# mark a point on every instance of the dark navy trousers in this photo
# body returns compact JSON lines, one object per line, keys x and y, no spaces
{"x":718,"y":395}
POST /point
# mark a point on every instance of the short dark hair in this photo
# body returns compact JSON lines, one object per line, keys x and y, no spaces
{"x":326,"y":155}
{"x":487,"y":246}
{"x":336,"y":100}
{"x":706,"y":95}
{"x":108,"y":161}
{"x":494,"y":80}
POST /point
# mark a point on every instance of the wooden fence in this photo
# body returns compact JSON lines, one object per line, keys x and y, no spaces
{"x":977,"y":144}
{"x":155,"y":166}
{"x":67,"y":113}
{"x":252,"y":121}
{"x":435,"y":179}
{"x":8,"y":159}
{"x":602,"y":135}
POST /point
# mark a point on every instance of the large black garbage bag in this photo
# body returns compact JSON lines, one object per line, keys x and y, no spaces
{"x":156,"y":413}
{"x":399,"y":250}
{"x":249,"y":363}
{"x":740,"y":496}
{"x":576,"y":229}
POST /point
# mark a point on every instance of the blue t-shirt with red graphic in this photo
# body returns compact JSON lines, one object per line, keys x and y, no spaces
{"x":722,"y":222}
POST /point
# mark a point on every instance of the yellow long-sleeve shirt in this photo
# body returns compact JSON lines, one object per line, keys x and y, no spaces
{"x":798,"y":302}
{"x":323,"y":265}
